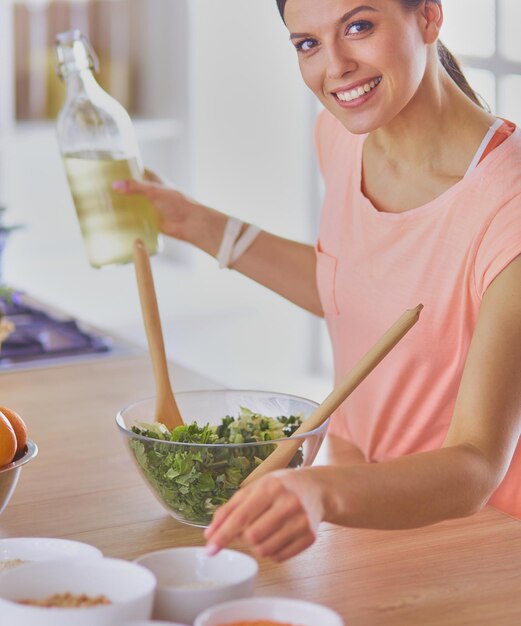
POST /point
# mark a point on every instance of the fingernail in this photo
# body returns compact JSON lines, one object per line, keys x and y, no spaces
{"x":119,"y":184}
{"x":212,"y":549}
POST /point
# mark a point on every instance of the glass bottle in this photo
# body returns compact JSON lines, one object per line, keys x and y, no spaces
{"x":98,"y":146}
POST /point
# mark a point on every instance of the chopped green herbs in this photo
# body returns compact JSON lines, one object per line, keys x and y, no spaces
{"x":193,"y":481}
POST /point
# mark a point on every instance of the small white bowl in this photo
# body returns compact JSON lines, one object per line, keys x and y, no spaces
{"x":154,"y":623}
{"x":129,"y":587}
{"x":30,"y":549}
{"x":189,"y":581}
{"x":285,"y":610}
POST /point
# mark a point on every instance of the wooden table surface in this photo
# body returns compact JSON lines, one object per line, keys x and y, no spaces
{"x":84,"y":486}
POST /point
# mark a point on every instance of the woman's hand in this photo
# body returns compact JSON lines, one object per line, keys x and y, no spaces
{"x":172,"y":207}
{"x":277,"y":515}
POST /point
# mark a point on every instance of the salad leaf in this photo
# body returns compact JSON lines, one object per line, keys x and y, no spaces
{"x":193,"y":480}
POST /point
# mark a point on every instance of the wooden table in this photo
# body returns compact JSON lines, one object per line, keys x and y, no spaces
{"x":84,"y":486}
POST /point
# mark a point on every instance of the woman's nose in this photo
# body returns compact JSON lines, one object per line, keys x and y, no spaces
{"x":339,"y":62}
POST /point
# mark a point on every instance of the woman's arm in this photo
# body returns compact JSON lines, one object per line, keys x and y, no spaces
{"x":337,"y":451}
{"x":284,"y":266}
{"x":279,"y":514}
{"x":458,"y":479}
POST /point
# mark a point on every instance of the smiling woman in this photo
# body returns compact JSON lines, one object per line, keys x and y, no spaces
{"x":447,"y":59}
{"x":355,"y":32}
{"x":422,"y":204}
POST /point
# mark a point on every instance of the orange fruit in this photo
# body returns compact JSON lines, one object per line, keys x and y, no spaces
{"x":19,"y":427}
{"x":7,"y":441}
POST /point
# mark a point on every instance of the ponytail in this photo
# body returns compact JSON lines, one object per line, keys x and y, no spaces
{"x":453,"y":69}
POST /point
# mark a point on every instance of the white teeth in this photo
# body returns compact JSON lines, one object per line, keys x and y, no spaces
{"x":348,"y":96}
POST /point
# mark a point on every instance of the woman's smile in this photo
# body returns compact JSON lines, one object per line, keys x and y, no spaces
{"x":356,"y":93}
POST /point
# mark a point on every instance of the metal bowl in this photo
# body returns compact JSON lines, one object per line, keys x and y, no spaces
{"x":9,"y":474}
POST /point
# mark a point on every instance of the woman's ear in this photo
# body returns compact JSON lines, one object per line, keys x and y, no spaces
{"x":432,"y":18}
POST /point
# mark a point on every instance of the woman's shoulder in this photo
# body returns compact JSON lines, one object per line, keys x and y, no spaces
{"x":501,"y":172}
{"x":508,"y":148}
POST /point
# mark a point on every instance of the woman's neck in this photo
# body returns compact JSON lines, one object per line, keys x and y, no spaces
{"x":432,"y":142}
{"x":439,"y":130}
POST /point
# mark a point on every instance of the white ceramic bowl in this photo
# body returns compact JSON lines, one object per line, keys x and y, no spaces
{"x":30,"y":549}
{"x":285,"y":610}
{"x":129,"y":587}
{"x":154,"y":623}
{"x":189,"y":581}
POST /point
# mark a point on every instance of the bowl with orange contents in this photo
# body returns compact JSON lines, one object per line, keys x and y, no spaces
{"x":16,"y":449}
{"x":269,"y":611}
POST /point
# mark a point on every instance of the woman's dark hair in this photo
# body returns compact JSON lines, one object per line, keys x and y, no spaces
{"x":448,"y":60}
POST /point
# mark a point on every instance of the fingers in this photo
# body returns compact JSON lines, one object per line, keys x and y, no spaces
{"x":157,"y":193}
{"x":153,"y":177}
{"x":232,"y":518}
{"x":267,"y":516}
{"x":222,"y":513}
{"x":280,"y":532}
{"x":293,"y":548}
{"x":133,"y":186}
{"x":273,"y":528}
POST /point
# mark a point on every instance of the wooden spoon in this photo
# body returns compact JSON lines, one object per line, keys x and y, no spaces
{"x":167,"y":411}
{"x":286,"y":450}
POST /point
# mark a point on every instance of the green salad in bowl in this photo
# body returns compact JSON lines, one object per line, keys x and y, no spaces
{"x":195,"y":468}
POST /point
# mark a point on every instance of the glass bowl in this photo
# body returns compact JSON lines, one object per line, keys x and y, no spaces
{"x":191,"y":480}
{"x":9,"y":474}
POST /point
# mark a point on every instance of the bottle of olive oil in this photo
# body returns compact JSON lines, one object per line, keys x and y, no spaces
{"x":98,"y":146}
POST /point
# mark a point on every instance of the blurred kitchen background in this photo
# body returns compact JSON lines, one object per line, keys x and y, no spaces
{"x":220,"y":110}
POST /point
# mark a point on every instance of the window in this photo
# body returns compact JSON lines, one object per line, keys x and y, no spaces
{"x":484,"y":36}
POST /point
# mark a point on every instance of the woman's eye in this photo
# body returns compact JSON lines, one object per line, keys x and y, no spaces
{"x":305,"y":45}
{"x":357,"y":28}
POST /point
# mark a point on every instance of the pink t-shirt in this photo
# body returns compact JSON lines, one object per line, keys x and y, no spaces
{"x":372,"y":266}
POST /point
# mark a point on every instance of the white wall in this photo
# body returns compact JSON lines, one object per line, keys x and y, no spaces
{"x":249,"y":108}
{"x":252,"y":149}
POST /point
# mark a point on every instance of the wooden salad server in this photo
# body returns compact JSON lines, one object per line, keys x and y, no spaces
{"x":286,"y":450}
{"x":167,"y":411}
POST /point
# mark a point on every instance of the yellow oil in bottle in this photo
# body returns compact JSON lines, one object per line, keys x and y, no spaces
{"x":110,"y":222}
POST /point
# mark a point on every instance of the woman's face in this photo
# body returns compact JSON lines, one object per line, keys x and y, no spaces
{"x":364,"y":59}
